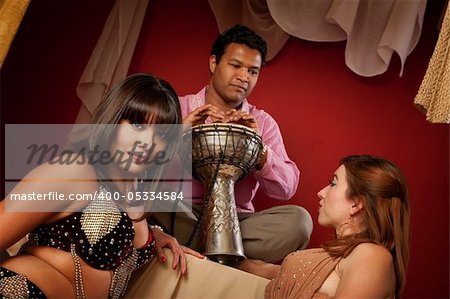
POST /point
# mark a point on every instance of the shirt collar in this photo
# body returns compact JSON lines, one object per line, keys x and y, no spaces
{"x":200,"y":100}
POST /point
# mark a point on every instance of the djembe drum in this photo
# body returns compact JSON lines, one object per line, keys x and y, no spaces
{"x":221,"y":155}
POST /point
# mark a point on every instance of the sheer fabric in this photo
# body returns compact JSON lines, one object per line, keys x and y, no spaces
{"x":374,"y":30}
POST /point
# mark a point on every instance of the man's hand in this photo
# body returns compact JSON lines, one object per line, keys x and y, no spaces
{"x":241,"y":118}
{"x":199,"y":115}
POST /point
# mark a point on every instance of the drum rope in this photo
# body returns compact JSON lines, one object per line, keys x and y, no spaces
{"x":175,"y":206}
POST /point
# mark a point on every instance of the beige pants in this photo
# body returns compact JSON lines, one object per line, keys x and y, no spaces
{"x":267,"y":235}
{"x":204,"y":279}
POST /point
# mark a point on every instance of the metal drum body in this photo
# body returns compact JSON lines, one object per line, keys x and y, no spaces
{"x":221,"y":155}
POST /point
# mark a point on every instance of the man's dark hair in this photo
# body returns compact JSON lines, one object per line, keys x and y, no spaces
{"x":239,"y":34}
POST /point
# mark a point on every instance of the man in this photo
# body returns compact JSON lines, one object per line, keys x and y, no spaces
{"x":237,"y":57}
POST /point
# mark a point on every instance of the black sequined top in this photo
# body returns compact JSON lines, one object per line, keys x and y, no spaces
{"x":102,"y":234}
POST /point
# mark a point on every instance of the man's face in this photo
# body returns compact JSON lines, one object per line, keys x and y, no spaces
{"x":234,"y":77}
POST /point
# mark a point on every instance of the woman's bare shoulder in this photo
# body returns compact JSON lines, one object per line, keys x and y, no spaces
{"x":56,"y":179}
{"x":368,"y":271}
{"x":371,"y":251}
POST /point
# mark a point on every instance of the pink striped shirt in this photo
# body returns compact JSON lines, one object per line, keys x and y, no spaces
{"x":278,"y":178}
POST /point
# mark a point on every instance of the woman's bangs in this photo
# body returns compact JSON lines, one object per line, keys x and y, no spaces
{"x":150,"y":110}
{"x":136,"y":111}
{"x":157,"y":116}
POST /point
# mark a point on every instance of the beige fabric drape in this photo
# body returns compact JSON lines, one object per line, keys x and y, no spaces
{"x":254,"y":14}
{"x":374,"y":29}
{"x":112,"y":55}
{"x":433,"y":97}
{"x":204,"y":280}
{"x":11,"y":14}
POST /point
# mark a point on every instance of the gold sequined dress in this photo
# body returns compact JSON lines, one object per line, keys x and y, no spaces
{"x":301,"y":275}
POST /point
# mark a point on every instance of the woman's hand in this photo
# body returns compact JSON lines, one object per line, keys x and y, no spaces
{"x":163,"y":240}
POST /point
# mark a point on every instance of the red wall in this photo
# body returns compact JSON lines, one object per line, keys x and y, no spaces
{"x":325,"y":111}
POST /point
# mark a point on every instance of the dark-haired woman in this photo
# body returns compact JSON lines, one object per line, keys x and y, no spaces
{"x":89,"y":248}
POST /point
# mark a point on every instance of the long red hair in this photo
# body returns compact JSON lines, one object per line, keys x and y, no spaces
{"x":382,"y":188}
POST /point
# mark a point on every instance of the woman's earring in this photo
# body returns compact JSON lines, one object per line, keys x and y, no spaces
{"x":141,"y":180}
{"x":341,"y":228}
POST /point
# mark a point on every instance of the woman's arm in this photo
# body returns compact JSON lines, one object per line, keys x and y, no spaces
{"x":18,"y":216}
{"x":15,"y":225}
{"x":368,"y":272}
{"x":164,"y":240}
{"x":260,"y":268}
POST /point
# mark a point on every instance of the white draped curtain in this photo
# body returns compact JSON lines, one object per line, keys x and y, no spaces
{"x":110,"y":59}
{"x":112,"y":54}
{"x":374,"y":31}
